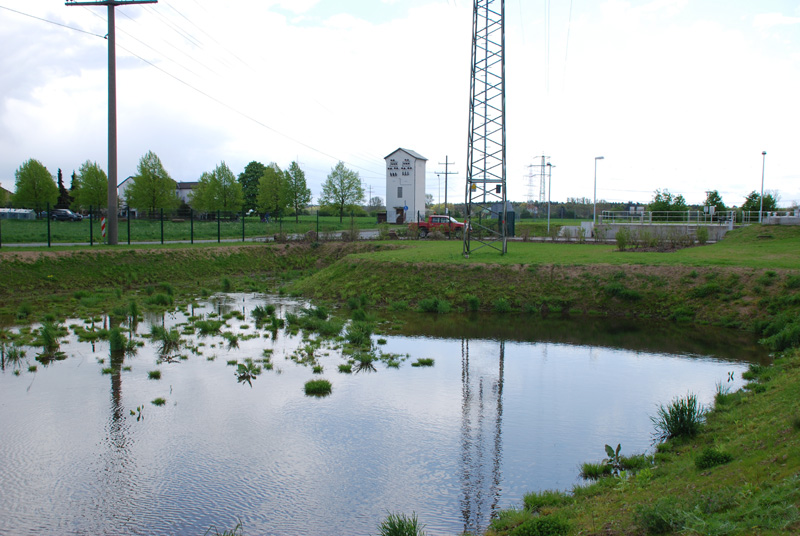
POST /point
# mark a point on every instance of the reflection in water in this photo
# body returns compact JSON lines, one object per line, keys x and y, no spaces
{"x":481,"y":440}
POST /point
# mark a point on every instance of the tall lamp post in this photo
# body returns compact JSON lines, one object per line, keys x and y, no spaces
{"x":549,"y":176}
{"x":763,"y":164}
{"x":594,"y":212}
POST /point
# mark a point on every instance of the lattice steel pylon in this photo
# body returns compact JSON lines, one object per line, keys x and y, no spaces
{"x":486,"y":151}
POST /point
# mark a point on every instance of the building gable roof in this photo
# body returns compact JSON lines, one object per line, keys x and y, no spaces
{"x":408,"y":152}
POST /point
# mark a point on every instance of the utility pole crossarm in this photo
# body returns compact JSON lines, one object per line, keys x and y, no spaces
{"x":110,"y":2}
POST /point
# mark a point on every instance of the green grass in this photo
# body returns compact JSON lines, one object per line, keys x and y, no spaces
{"x":401,"y":525}
{"x":159,"y":401}
{"x":318,"y":388}
{"x":18,"y":231}
{"x":741,"y":247}
{"x":154,"y":374}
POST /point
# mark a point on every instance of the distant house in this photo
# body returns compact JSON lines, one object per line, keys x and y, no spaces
{"x":5,"y":197}
{"x":405,"y":186}
{"x":185,"y":190}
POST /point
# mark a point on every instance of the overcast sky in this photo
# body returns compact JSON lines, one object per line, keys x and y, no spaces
{"x":675,"y":94}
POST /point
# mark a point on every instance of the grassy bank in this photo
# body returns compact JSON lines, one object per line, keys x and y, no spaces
{"x":735,"y":284}
{"x":75,"y":281}
{"x":739,"y":476}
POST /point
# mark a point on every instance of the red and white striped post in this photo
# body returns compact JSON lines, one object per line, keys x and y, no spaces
{"x":103,"y":226}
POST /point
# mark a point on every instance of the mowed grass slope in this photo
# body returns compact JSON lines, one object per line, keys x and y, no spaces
{"x":754,"y":246}
{"x":733,"y":283}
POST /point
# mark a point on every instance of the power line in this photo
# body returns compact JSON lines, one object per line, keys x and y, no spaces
{"x":53,"y":22}
{"x":208,"y":96}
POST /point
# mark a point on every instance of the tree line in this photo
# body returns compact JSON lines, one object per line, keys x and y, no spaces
{"x":265,"y":189}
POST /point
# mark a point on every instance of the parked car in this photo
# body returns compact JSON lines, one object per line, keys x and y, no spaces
{"x":64,"y":214}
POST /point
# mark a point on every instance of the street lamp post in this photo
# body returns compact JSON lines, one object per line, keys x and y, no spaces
{"x":594,"y":212}
{"x":549,"y":176}
{"x":763,"y":164}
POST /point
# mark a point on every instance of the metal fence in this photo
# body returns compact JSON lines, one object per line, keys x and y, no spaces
{"x":693,"y":217}
{"x":48,"y":226}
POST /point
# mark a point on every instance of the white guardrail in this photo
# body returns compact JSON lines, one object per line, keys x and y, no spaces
{"x":691,"y":217}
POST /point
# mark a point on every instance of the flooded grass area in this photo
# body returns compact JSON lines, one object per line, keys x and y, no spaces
{"x":203,"y":416}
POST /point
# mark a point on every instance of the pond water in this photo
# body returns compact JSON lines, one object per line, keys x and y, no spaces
{"x":511,"y":405}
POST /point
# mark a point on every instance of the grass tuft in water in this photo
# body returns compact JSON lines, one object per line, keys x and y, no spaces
{"x":159,"y":401}
{"x":423,"y":362}
{"x":154,"y":374}
{"x":401,"y":525}
{"x":318,"y":388}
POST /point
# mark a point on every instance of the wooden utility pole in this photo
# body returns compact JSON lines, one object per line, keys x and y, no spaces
{"x":446,"y":173}
{"x":111,"y":218}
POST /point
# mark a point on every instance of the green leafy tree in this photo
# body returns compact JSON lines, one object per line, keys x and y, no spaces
{"x":664,"y":201}
{"x":249,"y":180}
{"x":152,"y":188}
{"x":273,"y":197}
{"x":752,"y":203}
{"x":342,"y":190}
{"x":218,"y":190}
{"x":298,"y":193}
{"x":35,"y":187}
{"x":713,"y":199}
{"x":91,"y":186}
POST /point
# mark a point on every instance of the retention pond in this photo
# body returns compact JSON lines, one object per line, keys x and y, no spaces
{"x":511,"y":404}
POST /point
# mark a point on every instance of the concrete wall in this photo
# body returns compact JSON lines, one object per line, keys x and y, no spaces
{"x":609,"y":231}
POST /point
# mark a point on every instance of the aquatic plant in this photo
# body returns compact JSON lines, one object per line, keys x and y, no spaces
{"x":423,"y":362}
{"x":235,"y":531}
{"x":346,"y":368}
{"x":359,"y":333}
{"x":209,"y":327}
{"x":401,"y":525}
{"x":317,"y":369}
{"x":364,"y":362}
{"x":682,"y":417}
{"x":170,"y":340}
{"x":154,"y":375}
{"x":159,"y":401}
{"x":138,"y":413}
{"x":318,"y":387}
{"x":232,"y":338}
{"x":116,"y":340}
{"x":246,"y":372}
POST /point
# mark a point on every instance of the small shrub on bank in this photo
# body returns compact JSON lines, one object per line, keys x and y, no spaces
{"x":501,"y":306}
{"x":681,"y":418}
{"x":623,"y":238}
{"x":542,"y":526}
{"x":663,"y":517}
{"x":473,"y":302}
{"x":535,"y":501}
{"x":711,"y":458}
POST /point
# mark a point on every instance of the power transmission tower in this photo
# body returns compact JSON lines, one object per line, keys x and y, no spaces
{"x":486,"y":149}
{"x":531,"y":191}
{"x":446,"y":173}
{"x":111,"y":218}
{"x":542,"y":176}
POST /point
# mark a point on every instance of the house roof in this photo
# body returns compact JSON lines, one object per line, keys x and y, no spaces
{"x":407,"y":151}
